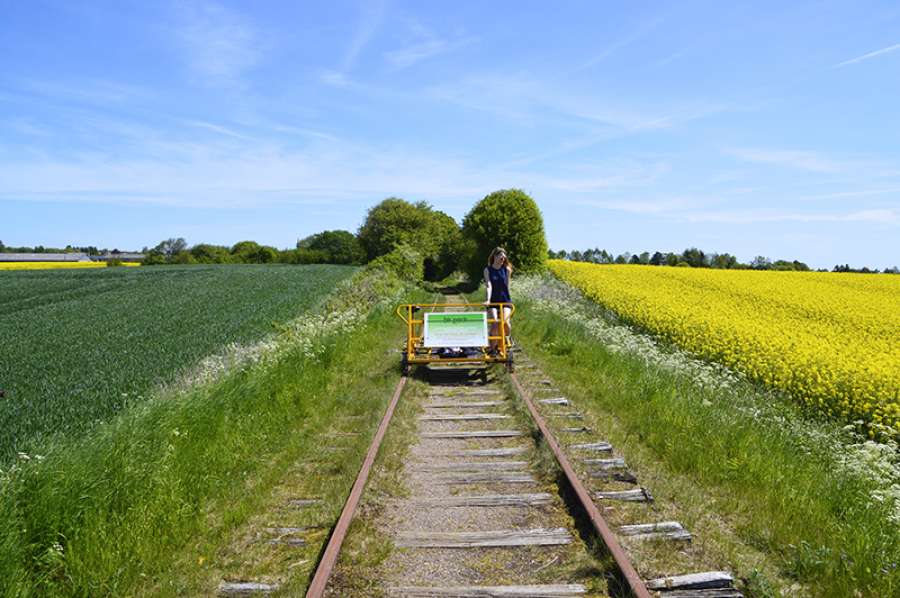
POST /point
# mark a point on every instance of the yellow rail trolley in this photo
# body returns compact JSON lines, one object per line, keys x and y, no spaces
{"x":456,"y":334}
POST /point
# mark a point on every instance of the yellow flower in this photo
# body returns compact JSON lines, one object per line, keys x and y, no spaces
{"x":830,"y":340}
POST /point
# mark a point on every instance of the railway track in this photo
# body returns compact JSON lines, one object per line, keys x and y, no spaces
{"x":481,"y":506}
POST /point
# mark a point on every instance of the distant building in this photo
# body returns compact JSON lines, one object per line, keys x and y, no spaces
{"x":124,"y":256}
{"x":44,"y":257}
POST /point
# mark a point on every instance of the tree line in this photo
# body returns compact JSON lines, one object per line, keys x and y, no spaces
{"x":697,"y":258}
{"x":89,"y":249}
{"x":508,"y":217}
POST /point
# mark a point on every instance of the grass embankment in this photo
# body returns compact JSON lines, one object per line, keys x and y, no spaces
{"x":80,"y":346}
{"x":149,"y":503}
{"x":767,"y":490}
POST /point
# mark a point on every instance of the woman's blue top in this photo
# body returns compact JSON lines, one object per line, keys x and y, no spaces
{"x":499,"y":284}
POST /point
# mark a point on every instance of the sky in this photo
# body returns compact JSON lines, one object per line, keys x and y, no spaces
{"x":755,"y":128}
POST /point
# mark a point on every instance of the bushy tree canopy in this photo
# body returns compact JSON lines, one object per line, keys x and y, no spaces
{"x":337,"y":246}
{"x":211,"y":254}
{"x":511,"y":219}
{"x":251,"y":252}
{"x":433,"y":234}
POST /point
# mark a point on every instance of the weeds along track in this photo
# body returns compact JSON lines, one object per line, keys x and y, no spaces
{"x":505,"y":490}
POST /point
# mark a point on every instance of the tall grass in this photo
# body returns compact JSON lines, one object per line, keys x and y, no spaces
{"x":769,"y":475}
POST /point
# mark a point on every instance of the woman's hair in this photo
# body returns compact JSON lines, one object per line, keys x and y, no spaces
{"x":506,"y":261}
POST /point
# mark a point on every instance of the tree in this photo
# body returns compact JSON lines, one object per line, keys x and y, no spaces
{"x":508,"y":218}
{"x":761,"y":262}
{"x":245,"y":251}
{"x":266,"y":255}
{"x":657,"y":259}
{"x":393,"y":222}
{"x":452,"y":247}
{"x":557,"y":255}
{"x":434,"y":235}
{"x":170,"y":248}
{"x":205,"y":253}
{"x":635,"y":259}
{"x":723,"y":261}
{"x":694,"y":257}
{"x":337,"y":246}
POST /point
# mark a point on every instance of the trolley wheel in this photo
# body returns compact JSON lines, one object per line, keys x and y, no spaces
{"x":510,"y":366}
{"x":404,"y":365}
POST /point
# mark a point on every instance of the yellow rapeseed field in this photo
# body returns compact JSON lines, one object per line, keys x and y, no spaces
{"x":832,"y":340}
{"x":49,"y":265}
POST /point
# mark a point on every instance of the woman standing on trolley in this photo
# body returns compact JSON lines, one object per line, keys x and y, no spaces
{"x":496,"y":281}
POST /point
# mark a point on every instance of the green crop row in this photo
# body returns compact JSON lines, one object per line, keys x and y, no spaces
{"x":77,"y":347}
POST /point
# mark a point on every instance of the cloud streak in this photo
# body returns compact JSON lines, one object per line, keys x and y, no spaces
{"x":425,"y":44}
{"x":868,"y":56}
{"x":370,"y":21}
{"x":799,"y":159}
{"x":876,"y":215}
{"x":219,"y":44}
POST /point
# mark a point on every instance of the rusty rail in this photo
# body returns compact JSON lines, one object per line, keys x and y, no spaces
{"x":329,"y":557}
{"x":635,"y":583}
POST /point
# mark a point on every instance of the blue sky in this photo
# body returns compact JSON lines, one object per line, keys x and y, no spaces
{"x":748,"y":127}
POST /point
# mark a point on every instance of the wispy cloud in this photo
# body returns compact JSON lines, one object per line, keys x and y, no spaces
{"x":868,"y":56}
{"x":100,"y":92}
{"x":641,"y":31}
{"x":800,"y":159}
{"x":424,"y":44}
{"x":876,"y":215}
{"x":647,"y":207}
{"x":221,"y":130}
{"x":219,"y":44}
{"x":369,"y":22}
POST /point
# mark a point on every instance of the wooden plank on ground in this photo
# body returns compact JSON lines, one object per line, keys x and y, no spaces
{"x":474,"y":434}
{"x":554,"y":401}
{"x":666,"y":530}
{"x":246,"y":588}
{"x":475,"y":466}
{"x":693,"y":581}
{"x":533,"y":591}
{"x":466,"y":417}
{"x":529,"y":537}
{"x":462,"y":404}
{"x":466,"y":393}
{"x":615,"y":476}
{"x":600,"y":447}
{"x":489,"y":500}
{"x":487,"y":477}
{"x":636,"y":495}
{"x":606,"y":464}
{"x":493,"y":452}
